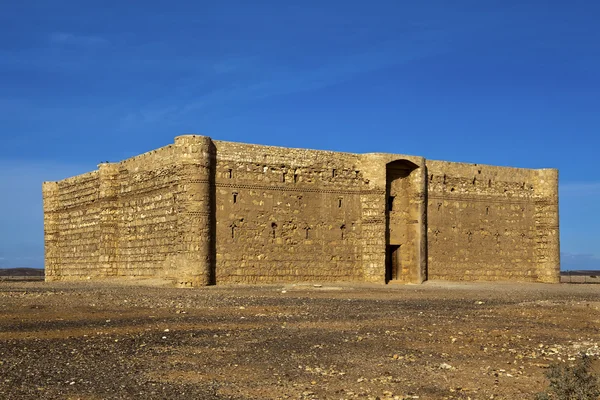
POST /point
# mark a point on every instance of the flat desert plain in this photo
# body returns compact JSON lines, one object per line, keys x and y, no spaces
{"x":438,"y":340}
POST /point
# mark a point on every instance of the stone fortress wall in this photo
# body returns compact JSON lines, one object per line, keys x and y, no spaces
{"x":203,"y":211}
{"x":490,"y":223}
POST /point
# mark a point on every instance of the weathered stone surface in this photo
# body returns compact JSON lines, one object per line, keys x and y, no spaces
{"x":202,"y":211}
{"x":492,"y":223}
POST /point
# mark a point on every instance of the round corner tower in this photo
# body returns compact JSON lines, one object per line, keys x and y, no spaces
{"x":196,"y":198}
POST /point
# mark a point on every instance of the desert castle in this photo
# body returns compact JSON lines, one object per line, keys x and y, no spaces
{"x":203,"y":211}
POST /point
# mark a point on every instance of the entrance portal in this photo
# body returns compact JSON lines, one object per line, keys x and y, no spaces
{"x":403,"y":223}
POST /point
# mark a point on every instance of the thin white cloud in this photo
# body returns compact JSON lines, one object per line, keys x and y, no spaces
{"x":63,"y":38}
{"x":573,"y":189}
{"x":279,"y":80}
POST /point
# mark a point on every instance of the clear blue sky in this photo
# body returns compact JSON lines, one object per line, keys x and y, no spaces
{"x":505,"y":82}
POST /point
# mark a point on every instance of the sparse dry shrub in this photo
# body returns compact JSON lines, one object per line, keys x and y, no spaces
{"x":572,"y":382}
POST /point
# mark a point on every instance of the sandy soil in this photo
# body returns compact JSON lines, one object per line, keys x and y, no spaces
{"x":431,"y":341}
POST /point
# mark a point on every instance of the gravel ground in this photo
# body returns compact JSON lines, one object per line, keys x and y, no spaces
{"x":433,"y":341}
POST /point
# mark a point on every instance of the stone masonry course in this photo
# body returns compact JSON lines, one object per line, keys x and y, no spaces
{"x":202,"y":211}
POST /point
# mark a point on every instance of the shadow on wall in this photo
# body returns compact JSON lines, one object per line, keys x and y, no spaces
{"x":212,"y":274}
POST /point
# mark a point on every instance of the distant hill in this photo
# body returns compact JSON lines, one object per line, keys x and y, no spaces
{"x":582,"y":272}
{"x":33,"y":272}
{"x":580,"y":276}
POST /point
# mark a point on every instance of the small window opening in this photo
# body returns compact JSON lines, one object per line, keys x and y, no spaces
{"x":474,"y":181}
{"x":391,"y":203}
{"x":295,"y":178}
{"x":273,"y":229}
{"x":340,"y":202}
{"x":439,"y":206}
{"x":444,"y":181}
{"x":235,"y":195}
{"x":342,"y":229}
{"x":307,"y":229}
{"x":232,"y":231}
{"x":431,"y":178}
{"x":487,"y":211}
{"x":452,"y":189}
{"x":333,"y":173}
{"x":489,"y":183}
{"x":230,"y":173}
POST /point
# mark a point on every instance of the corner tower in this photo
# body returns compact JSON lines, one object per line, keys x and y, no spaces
{"x":196,"y":208}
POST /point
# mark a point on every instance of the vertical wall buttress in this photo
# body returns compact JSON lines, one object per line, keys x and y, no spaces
{"x":196,"y":209}
{"x":373,"y":235}
{"x":51,"y":231}
{"x":422,"y":220}
{"x":108,"y":224}
{"x":547,"y":241}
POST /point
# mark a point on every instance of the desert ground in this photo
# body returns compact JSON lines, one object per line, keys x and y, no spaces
{"x":438,"y":340}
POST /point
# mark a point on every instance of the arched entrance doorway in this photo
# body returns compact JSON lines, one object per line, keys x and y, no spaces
{"x":403,"y":223}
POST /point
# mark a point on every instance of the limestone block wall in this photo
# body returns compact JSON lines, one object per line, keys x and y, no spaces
{"x":492,"y":223}
{"x":147,"y":216}
{"x":72,"y":215}
{"x":201,"y":212}
{"x":287,"y":215}
{"x":146,"y":213}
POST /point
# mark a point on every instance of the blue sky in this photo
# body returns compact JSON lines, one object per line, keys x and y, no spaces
{"x":498,"y":82}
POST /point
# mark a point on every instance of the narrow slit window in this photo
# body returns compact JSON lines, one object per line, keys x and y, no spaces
{"x":307,"y":230}
{"x":391,"y":203}
{"x":235,"y":195}
{"x":230,"y":173}
{"x":295,"y":178}
{"x":333,"y":173}
{"x":342,"y":229}
{"x":273,"y":229}
{"x":340,"y":202}
{"x":232,"y":231}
